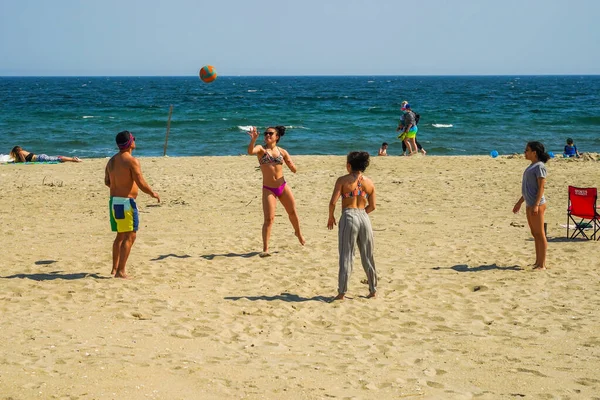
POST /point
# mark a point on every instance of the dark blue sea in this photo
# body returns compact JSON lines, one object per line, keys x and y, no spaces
{"x":324,"y":115}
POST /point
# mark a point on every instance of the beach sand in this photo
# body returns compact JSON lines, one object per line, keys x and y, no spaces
{"x":459,"y":313}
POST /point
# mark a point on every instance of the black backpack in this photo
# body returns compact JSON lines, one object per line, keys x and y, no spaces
{"x":417,"y":118}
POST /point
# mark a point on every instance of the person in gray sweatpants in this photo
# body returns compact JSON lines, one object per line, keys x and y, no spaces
{"x":358,"y":199}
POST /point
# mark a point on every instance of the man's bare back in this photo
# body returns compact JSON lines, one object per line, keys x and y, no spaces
{"x":124,"y":177}
{"x":119,"y":175}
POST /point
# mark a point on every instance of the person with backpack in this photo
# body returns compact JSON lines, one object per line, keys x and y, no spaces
{"x":408,"y":126}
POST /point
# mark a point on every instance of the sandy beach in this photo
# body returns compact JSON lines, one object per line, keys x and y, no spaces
{"x":459,"y":313}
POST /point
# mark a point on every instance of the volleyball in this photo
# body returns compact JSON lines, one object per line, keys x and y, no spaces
{"x":208,"y":73}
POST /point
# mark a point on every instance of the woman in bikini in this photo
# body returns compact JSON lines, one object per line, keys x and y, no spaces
{"x":358,"y":200}
{"x":20,"y":155}
{"x":271,"y":159}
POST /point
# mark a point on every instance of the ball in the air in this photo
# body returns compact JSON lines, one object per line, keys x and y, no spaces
{"x":208,"y":73}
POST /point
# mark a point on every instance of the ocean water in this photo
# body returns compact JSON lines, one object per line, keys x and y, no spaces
{"x":324,"y":115}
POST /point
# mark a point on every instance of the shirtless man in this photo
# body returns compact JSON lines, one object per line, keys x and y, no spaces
{"x":123,"y":175}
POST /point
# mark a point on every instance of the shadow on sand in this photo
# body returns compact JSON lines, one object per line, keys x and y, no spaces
{"x":289,"y":297}
{"x":56,"y":275}
{"x":169,"y":255}
{"x":243,"y":255}
{"x":564,"y":239}
{"x":466,"y":268}
{"x":45,"y":262}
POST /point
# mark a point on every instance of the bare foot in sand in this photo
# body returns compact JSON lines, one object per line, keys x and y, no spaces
{"x":300,"y":238}
{"x":371,"y":295}
{"x":539,"y":268}
{"x":339,"y":297}
{"x":122,"y":276}
{"x":264,"y":254}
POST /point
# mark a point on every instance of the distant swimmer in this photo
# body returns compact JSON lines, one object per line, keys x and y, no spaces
{"x":123,"y":175}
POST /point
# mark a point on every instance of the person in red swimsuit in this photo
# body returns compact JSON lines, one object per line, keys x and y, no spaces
{"x":271,"y":159}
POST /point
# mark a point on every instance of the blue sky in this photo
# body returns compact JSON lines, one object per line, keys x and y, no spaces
{"x":309,"y":37}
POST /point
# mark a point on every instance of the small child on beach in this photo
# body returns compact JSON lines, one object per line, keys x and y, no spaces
{"x":358,"y":200}
{"x":532,"y":193}
{"x":383,"y":149}
{"x":571,"y":149}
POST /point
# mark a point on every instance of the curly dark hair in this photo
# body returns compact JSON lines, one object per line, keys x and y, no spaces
{"x":358,"y":160}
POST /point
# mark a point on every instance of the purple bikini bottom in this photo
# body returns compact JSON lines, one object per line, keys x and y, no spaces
{"x":278,"y":191}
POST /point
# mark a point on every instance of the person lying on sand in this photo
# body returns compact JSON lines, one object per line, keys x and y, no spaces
{"x":21,"y":155}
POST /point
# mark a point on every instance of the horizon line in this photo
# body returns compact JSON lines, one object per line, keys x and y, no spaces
{"x":295,"y":76}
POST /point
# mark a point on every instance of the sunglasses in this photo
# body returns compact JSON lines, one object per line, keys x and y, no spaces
{"x":267,"y":133}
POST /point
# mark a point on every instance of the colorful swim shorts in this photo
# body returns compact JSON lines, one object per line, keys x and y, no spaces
{"x":123,"y":214}
{"x":410,"y":134}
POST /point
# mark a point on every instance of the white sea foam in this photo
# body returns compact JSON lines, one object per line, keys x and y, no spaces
{"x":252,"y":90}
{"x":246,"y":128}
{"x":442,"y":125}
{"x":296,"y":127}
{"x":88,"y":116}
